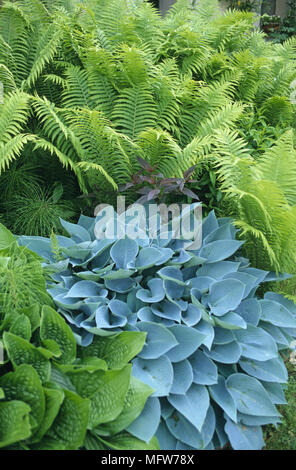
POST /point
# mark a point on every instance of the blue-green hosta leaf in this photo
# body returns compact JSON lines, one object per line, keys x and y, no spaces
{"x":291,"y":306}
{"x":223,"y":336}
{"x":244,"y":437}
{"x":155,"y":293}
{"x":208,"y":331}
{"x":124,"y":252}
{"x":165,"y":438}
{"x":275,"y":392}
{"x":277,"y":334}
{"x":181,"y":258}
{"x":183,"y":430}
{"x":250,"y":396}
{"x":223,"y":398}
{"x":24,"y":384}
{"x":14,"y":422}
{"x":148,"y":257}
{"x":135,"y":400}
{"x":209,"y":224}
{"x":107,"y":319}
{"x":187,"y":404}
{"x":166,"y":409}
{"x":159,"y":340}
{"x":40,"y":245}
{"x":166,"y":254}
{"x":54,"y":327}
{"x":84,"y":289}
{"x":157,"y":373}
{"x":226,"y":353}
{"x":206,"y":316}
{"x":170,"y":273}
{"x":183,"y":377}
{"x":277,"y":314}
{"x":167,"y":309}
{"x":272,"y":370}
{"x":250,"y":311}
{"x":108,"y":402}
{"x":222,"y":233}
{"x":21,"y":351}
{"x":218,"y":270}
{"x":256,"y":343}
{"x":189,"y":340}
{"x":77,"y":232}
{"x":88,"y":223}
{"x":224,"y":296}
{"x":120,"y":285}
{"x":219,"y":250}
{"x":248,"y":280}
{"x":202,"y":283}
{"x":145,"y":426}
{"x":173,"y":291}
{"x":257,"y":420}
{"x":231,"y":321}
{"x":191,"y":316}
{"x":204,"y":370}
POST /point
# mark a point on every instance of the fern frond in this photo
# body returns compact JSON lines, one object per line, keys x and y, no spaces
{"x":134,"y":111}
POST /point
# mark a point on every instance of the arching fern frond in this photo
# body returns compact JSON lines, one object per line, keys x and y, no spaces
{"x":134,"y":111}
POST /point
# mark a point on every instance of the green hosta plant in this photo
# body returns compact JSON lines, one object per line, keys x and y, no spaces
{"x":54,"y":399}
{"x":210,"y":339}
{"x":51,"y":396}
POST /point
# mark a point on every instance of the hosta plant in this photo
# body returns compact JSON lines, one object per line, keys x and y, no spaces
{"x":51,"y":396}
{"x":212,"y":347}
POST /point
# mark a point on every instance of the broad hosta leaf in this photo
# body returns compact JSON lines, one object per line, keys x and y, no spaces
{"x":77,"y":232}
{"x":256,"y":343}
{"x":69,"y":427}
{"x":224,"y":296}
{"x":243,"y":437}
{"x":277,"y":314}
{"x":250,"y":396}
{"x":186,"y":404}
{"x":226,"y":353}
{"x":127,"y":442}
{"x":108,"y":402}
{"x":183,"y":430}
{"x":231,"y":321}
{"x":189,"y":340}
{"x":21,"y":351}
{"x":145,"y":426}
{"x":124,"y":252}
{"x":157,"y":373}
{"x":183,"y":377}
{"x":24,"y":385}
{"x":223,"y":398}
{"x":116,"y":351}
{"x":273,"y":370}
{"x":154,"y":294}
{"x":205,"y":371}
{"x":219,"y":250}
{"x":148,"y":257}
{"x":53,"y":326}
{"x":53,"y":401}
{"x":22,"y":327}
{"x":14,"y":422}
{"x":134,"y":403}
{"x":159,"y":340}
